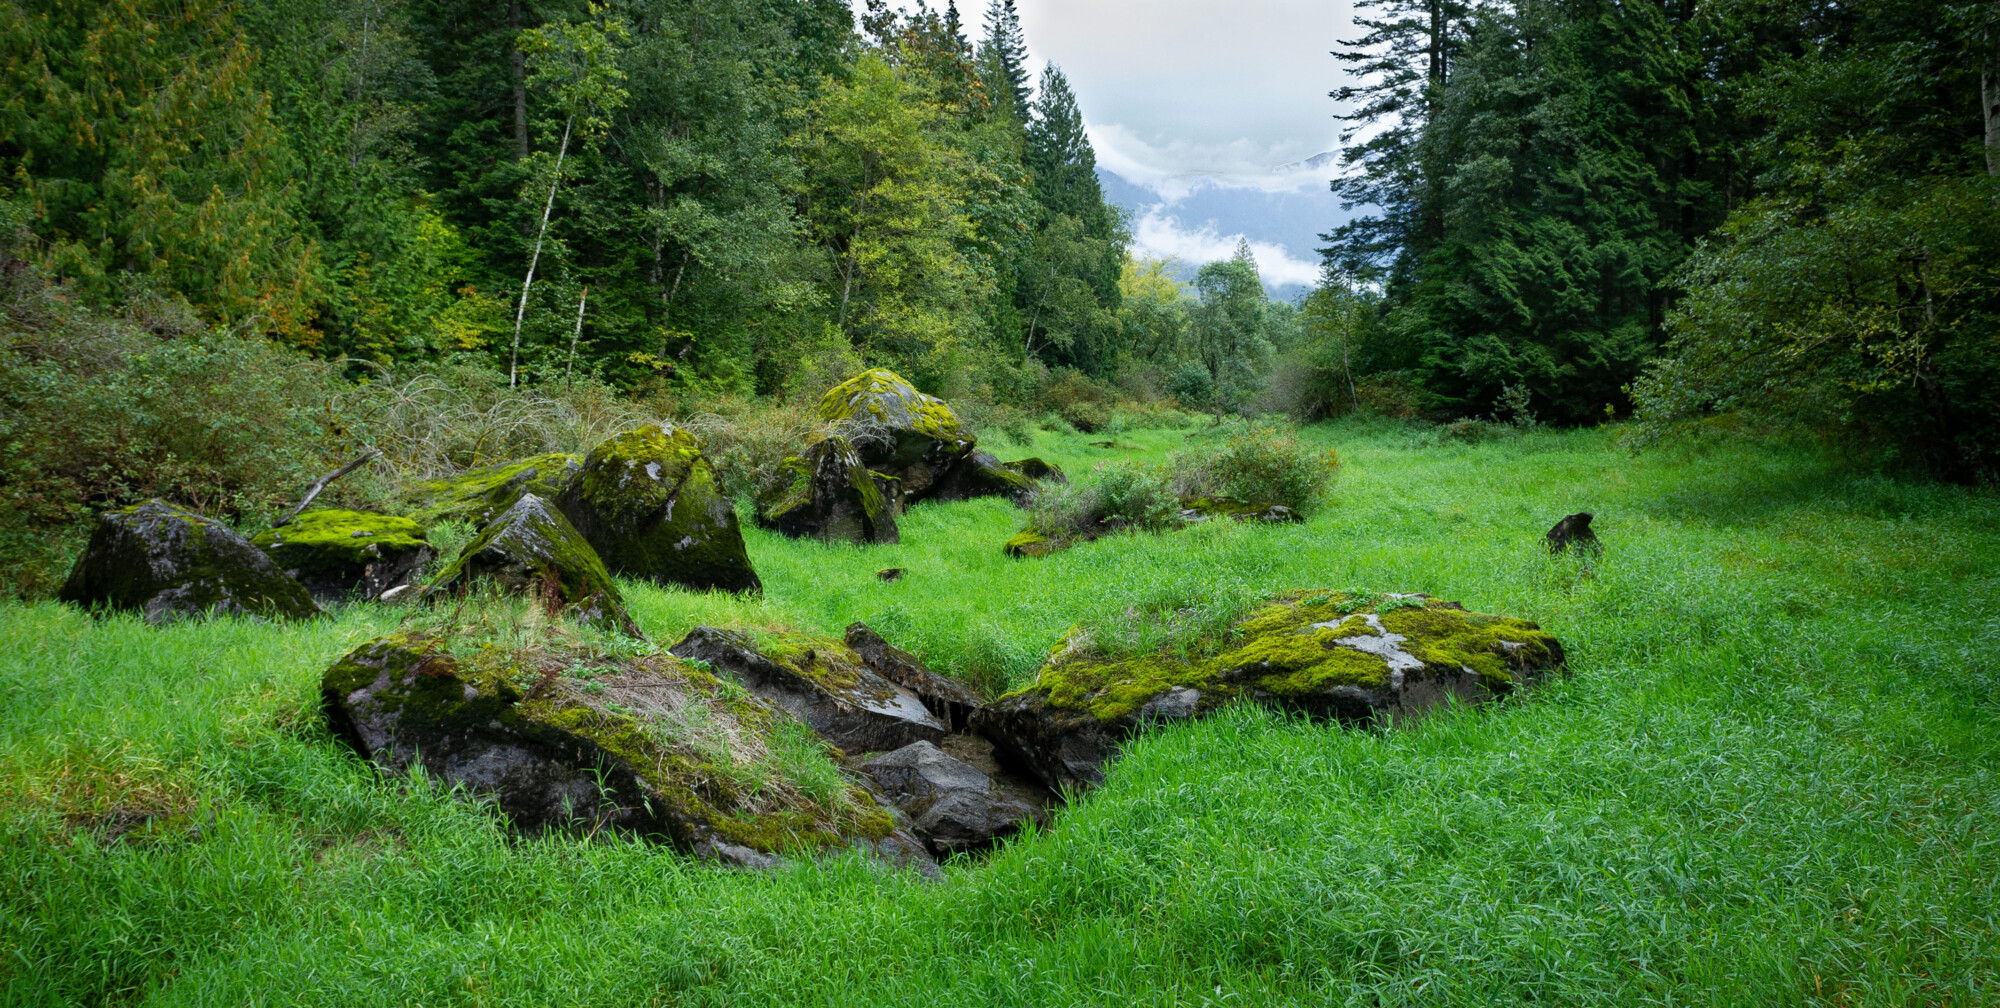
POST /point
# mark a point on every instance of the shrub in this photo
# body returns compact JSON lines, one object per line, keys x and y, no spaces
{"x":1124,"y":495}
{"x":100,"y":411}
{"x":1257,"y":462}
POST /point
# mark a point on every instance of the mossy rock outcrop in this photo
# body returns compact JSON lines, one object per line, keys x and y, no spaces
{"x":830,"y":494}
{"x":650,"y":503}
{"x":820,"y":681}
{"x":343,"y":554}
{"x":1036,"y":469}
{"x":564,"y":738}
{"x":891,"y":446}
{"x":168,"y":563}
{"x":1329,"y":654}
{"x":916,"y":437}
{"x":477,"y":496}
{"x":532,"y":549}
{"x":979,"y":474}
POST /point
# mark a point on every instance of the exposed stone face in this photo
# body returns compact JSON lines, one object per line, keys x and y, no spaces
{"x":650,"y":503}
{"x":951,"y":804}
{"x":532,"y":549}
{"x":633,"y":744}
{"x":168,"y":563}
{"x":1036,"y":469}
{"x":979,"y":474}
{"x":949,"y":702}
{"x":347,"y":554}
{"x":1328,"y":654}
{"x":831,"y":495}
{"x":478,"y":496}
{"x":822,"y":683}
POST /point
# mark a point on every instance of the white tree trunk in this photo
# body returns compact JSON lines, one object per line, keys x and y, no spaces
{"x":521,"y":311}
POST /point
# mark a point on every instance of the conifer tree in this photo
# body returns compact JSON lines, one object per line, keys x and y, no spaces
{"x":1003,"y":57}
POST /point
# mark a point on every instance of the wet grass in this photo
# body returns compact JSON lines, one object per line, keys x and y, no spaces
{"x":1769,"y":778}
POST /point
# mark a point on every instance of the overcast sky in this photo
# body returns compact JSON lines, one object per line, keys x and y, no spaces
{"x":1197,"y":104}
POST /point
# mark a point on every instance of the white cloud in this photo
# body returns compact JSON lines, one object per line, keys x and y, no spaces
{"x":1157,"y":234}
{"x":1176,"y":168}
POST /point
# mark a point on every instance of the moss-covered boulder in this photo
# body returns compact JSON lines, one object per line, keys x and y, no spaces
{"x":168,"y":563}
{"x":477,"y":496}
{"x":820,"y":681}
{"x":347,"y":554}
{"x":829,"y":494}
{"x":564,"y":737}
{"x":913,"y":437}
{"x":979,"y":474}
{"x":1029,"y":543}
{"x":650,"y":503}
{"x":1331,"y":654}
{"x":532,"y":549}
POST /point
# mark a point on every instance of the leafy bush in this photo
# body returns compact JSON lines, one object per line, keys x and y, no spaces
{"x":101,"y":411}
{"x":1124,"y":495}
{"x":1257,"y":462}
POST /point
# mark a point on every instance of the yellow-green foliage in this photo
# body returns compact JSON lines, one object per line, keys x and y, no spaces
{"x":881,"y":396}
{"x":1287,"y":649}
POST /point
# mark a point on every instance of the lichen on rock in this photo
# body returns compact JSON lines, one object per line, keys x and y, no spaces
{"x":339,"y":554}
{"x":532,"y":549}
{"x":651,"y":505}
{"x":1332,"y":654}
{"x":169,"y":563}
{"x":564,"y":737}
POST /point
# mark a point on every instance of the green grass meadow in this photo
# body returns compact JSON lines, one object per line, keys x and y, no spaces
{"x":1769,"y":777}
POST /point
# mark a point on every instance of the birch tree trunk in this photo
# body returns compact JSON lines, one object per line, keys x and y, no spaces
{"x":521,"y":311}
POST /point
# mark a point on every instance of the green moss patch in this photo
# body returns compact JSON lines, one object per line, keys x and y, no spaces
{"x":883,"y":397}
{"x":477,"y":495}
{"x":328,"y":538}
{"x":1300,"y":646}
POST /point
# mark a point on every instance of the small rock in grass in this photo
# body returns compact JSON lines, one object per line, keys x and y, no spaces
{"x":1573,"y":530}
{"x":891,"y":574}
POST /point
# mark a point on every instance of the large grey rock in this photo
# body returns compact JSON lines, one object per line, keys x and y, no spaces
{"x":951,"y":804}
{"x":649,"y":502}
{"x":614,"y":746}
{"x":820,"y":682}
{"x":532,"y":549}
{"x":1326,"y":654}
{"x":168,"y":563}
